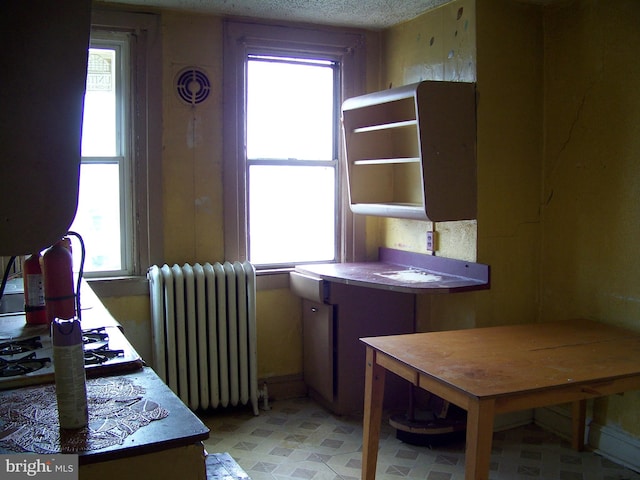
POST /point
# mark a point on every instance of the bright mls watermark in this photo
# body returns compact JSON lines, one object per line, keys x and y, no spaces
{"x":52,"y":467}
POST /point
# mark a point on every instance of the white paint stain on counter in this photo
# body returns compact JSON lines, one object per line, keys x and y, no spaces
{"x":410,"y":276}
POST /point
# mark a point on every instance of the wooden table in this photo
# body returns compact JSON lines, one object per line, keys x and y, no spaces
{"x":493,"y":370}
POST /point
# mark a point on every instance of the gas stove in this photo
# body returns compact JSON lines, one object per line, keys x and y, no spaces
{"x":27,"y":359}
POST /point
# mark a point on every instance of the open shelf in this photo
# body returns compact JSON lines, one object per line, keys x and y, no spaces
{"x":372,"y":128}
{"x":410,"y":151}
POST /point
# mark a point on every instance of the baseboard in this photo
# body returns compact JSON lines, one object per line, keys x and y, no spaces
{"x":615,"y":444}
{"x":506,"y":421}
{"x":609,"y":441}
{"x":293,"y":386}
{"x":284,"y":386}
{"x":556,"y":419}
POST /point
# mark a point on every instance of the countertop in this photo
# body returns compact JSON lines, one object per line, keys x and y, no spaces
{"x":180,"y":427}
{"x":407,"y":272}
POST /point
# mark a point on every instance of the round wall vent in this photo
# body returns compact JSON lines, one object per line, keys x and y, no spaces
{"x":193,"y":85}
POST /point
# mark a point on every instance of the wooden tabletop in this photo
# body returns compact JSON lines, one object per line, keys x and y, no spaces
{"x":496,"y":361}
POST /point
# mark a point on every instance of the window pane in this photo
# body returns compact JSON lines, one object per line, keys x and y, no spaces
{"x":99,"y":122}
{"x":98,"y":216}
{"x":292,"y":214}
{"x":290,"y":110}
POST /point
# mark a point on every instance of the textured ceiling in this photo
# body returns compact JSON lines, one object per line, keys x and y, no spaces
{"x":372,"y":14}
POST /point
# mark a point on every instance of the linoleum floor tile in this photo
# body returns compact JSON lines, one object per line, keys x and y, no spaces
{"x":299,"y":440}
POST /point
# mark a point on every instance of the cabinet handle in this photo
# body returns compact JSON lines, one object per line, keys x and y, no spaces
{"x":314,"y":309}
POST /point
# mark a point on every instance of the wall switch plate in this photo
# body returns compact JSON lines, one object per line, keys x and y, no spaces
{"x":431,"y":241}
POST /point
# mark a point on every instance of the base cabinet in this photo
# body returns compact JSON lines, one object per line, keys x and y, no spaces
{"x":318,"y":347}
{"x":334,"y":357}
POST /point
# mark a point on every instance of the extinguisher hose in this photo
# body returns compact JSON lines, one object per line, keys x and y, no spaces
{"x":5,"y":277}
{"x":80,"y":272}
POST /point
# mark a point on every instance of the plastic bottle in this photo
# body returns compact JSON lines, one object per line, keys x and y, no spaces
{"x":69,"y":373}
{"x":58,"y":281}
{"x":34,"y":306}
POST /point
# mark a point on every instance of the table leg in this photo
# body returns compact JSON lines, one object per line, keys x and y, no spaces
{"x":373,"y":395}
{"x":578,"y":417}
{"x":480,"y":417}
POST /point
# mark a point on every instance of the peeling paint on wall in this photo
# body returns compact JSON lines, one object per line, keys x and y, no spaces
{"x":439,"y":45}
{"x":204,"y":204}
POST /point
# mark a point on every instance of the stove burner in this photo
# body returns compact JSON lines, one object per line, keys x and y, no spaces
{"x":23,"y":365}
{"x":95,"y":356}
{"x":95,"y":335}
{"x":23,"y":345}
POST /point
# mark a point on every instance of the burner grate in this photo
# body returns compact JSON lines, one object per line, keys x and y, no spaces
{"x":95,"y":335}
{"x":95,"y":356}
{"x":23,"y":365}
{"x":13,"y":347}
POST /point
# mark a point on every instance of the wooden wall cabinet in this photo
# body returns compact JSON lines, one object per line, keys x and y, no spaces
{"x":411,"y":151}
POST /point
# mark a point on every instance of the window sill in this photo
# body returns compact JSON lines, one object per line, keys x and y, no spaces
{"x":119,"y":286}
{"x":139,"y":285}
{"x":272,"y":279}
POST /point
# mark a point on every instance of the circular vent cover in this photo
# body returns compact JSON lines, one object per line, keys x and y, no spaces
{"x":193,"y":85}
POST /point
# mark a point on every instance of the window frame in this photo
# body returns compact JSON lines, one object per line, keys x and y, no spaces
{"x":332,"y":163}
{"x":121,"y":42}
{"x":144,"y":115}
{"x":244,"y":38}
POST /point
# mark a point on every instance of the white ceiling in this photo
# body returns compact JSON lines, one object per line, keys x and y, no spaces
{"x":372,"y":14}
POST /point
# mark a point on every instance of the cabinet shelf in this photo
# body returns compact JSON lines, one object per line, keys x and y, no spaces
{"x":410,"y":151}
{"x":373,"y":128}
{"x":380,"y":161}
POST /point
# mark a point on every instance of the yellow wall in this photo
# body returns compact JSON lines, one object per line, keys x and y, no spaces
{"x":439,"y":45}
{"x":590,"y":262}
{"x":510,"y":118}
{"x":192,"y":142}
{"x":558,"y":176}
{"x":193,"y":191}
{"x":558,"y":170}
{"x":498,"y":44}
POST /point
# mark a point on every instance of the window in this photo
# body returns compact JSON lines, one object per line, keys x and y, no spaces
{"x":119,"y":188}
{"x":283,"y":88}
{"x":291,"y":154}
{"x":104,"y":215}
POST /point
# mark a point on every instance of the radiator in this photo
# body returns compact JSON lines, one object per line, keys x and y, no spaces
{"x":204,"y":332}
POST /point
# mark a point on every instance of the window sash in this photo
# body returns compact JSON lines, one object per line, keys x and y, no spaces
{"x":299,"y":235}
{"x":120,"y":43}
{"x":264,"y":249}
{"x":245,"y":39}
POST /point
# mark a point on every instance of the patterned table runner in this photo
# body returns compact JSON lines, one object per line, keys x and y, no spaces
{"x":117,"y":409}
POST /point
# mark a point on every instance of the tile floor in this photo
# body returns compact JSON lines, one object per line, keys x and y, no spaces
{"x":299,"y":440}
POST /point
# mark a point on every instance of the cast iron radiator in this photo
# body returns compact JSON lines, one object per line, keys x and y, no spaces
{"x":204,"y":332}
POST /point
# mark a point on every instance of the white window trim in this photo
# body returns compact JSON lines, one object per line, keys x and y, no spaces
{"x":146,"y":140}
{"x":240,"y":38}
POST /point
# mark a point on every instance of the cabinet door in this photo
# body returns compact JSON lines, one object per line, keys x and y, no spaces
{"x":318,"y":345}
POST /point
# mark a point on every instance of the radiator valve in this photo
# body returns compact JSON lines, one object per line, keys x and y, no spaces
{"x":264,"y":394}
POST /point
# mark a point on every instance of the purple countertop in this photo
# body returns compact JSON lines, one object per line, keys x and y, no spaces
{"x":408,"y":272}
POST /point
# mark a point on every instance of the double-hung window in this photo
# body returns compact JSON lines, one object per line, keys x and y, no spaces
{"x":284,"y":182}
{"x":104,"y":215}
{"x":119,"y":203}
{"x":292,"y":169}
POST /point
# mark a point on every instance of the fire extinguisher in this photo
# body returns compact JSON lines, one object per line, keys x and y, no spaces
{"x":34,"y":306}
{"x":58,"y":281}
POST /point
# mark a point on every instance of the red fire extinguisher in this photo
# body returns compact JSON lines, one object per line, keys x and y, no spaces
{"x":58,"y":281}
{"x":34,"y":307}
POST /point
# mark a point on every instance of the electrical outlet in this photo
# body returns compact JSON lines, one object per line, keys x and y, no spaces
{"x":431,"y":241}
